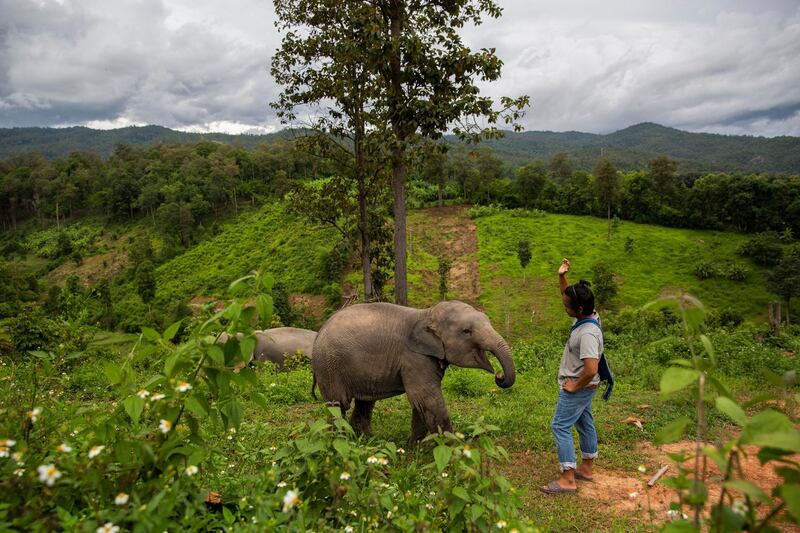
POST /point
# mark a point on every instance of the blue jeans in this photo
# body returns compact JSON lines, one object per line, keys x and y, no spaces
{"x":574,"y":409}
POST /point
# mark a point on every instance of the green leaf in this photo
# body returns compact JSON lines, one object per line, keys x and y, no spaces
{"x":749,"y":489}
{"x":780,"y":440}
{"x":341,"y":446}
{"x":134,"y":407}
{"x":232,"y":409}
{"x":260,"y":400}
{"x":672,"y":431}
{"x":476,"y":512}
{"x":216,"y":354}
{"x":722,"y":390}
{"x":229,"y":518}
{"x":113,"y":372}
{"x":265,"y":305}
{"x":150,"y":334}
{"x":681,"y":362}
{"x":709,"y":348}
{"x":791,"y":495}
{"x":442,"y":455}
{"x":766,"y":422}
{"x":267,"y":282}
{"x":153,"y":504}
{"x":196,"y":406}
{"x":170,"y":332}
{"x":246,"y":347}
{"x":169,"y":364}
{"x":240,"y":285}
{"x":732,"y":410}
{"x":461,"y":493}
{"x":717,"y":456}
{"x":675,"y":379}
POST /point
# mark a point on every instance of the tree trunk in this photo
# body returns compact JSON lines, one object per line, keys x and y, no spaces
{"x":775,"y":317}
{"x":363,"y":224}
{"x":398,"y":155}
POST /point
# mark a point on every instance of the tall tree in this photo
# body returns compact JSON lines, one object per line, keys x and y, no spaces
{"x":424,"y":79}
{"x":608,"y":182}
{"x":531,"y":179}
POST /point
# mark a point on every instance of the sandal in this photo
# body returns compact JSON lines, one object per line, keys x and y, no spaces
{"x":583,"y":477}
{"x":554,"y":488}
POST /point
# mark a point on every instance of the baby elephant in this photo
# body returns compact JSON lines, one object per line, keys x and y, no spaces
{"x":372,"y":351}
{"x":276,"y":344}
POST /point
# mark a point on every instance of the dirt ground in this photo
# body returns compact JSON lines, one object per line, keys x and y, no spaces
{"x":620,"y":493}
{"x":454,"y":234}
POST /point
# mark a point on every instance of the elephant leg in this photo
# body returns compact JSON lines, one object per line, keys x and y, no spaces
{"x":430,"y":407}
{"x":418,"y":427}
{"x":361,"y":418}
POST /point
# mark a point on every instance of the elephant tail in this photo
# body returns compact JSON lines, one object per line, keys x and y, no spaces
{"x":313,"y":385}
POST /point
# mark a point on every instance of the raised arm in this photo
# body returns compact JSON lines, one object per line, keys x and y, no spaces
{"x":562,"y":275}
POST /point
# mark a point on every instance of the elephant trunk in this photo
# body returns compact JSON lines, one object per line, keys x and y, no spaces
{"x":500,"y":348}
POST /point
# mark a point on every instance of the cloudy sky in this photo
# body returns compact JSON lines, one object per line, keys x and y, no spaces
{"x":727,"y":66}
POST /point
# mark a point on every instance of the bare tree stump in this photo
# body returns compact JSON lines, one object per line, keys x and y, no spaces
{"x":775,"y":317}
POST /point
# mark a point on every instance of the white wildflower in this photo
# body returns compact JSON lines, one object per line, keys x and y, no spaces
{"x":344,"y":476}
{"x":191,"y":470}
{"x":401,"y":451}
{"x":383,"y":461}
{"x":34,"y":415}
{"x":429,"y":506}
{"x":183,"y":386}
{"x":48,"y":474}
{"x":273,"y":449}
{"x":19,"y":471}
{"x":281,"y":484}
{"x":121,"y":498}
{"x":372,"y":460}
{"x":739,"y":507}
{"x":64,"y":448}
{"x":94,"y":451}
{"x":672,"y":513}
{"x":459,"y":435}
{"x":143,"y":393}
{"x":348,"y":529}
{"x":290,"y":500}
{"x":467,"y":451}
{"x":642,"y":469}
{"x":18,"y":458}
{"x":157,"y":396}
{"x":109,"y":527}
{"x":7,"y":443}
{"x":501,"y":524}
{"x":4,"y":452}
{"x":165,"y":426}
{"x":444,"y":474}
{"x":633,"y":495}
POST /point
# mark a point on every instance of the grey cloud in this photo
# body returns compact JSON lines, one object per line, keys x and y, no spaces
{"x":718,"y":65}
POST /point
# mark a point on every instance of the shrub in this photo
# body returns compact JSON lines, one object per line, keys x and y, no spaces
{"x":764,"y":249}
{"x":628,"y":245}
{"x":704,"y":270}
{"x":736,"y":272}
{"x":464,"y":383}
{"x":603,"y":284}
{"x":333,"y":264}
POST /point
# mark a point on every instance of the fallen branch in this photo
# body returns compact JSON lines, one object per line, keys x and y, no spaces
{"x":657,"y":475}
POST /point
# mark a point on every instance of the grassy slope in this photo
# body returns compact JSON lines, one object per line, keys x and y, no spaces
{"x":662,"y":260}
{"x":285,"y":245}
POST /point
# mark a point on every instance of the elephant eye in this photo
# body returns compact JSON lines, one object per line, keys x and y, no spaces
{"x":467,"y":331}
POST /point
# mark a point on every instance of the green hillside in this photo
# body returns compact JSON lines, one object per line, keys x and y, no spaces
{"x":525,"y":303}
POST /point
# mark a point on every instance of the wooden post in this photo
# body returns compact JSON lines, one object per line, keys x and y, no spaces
{"x":775,"y":317}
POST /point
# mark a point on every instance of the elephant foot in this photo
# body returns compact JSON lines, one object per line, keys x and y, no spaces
{"x":361,"y":419}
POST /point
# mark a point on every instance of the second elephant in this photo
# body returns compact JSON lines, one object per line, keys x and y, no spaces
{"x":276,"y":344}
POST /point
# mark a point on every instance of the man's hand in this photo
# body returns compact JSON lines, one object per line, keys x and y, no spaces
{"x":571,"y":385}
{"x":564,"y":268}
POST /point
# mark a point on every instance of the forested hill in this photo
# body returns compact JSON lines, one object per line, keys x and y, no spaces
{"x":630,"y":148}
{"x":60,"y":142}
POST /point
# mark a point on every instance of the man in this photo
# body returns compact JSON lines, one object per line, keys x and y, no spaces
{"x":577,"y":379}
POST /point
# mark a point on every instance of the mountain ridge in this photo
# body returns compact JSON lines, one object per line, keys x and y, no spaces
{"x":629,"y":148}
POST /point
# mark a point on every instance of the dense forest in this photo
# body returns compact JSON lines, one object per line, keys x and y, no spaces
{"x":177,"y":185}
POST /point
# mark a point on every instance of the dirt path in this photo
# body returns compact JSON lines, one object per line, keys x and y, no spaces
{"x":450,"y":232}
{"x":624,"y":494}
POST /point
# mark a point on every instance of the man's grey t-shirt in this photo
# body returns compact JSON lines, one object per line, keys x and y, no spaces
{"x":586,"y":341}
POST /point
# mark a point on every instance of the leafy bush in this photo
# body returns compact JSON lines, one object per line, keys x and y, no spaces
{"x":704,"y":270}
{"x":464,"y":383}
{"x":603,"y":284}
{"x":736,"y":272}
{"x":764,"y":249}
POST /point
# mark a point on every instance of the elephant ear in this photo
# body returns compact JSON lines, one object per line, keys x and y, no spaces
{"x":424,"y":340}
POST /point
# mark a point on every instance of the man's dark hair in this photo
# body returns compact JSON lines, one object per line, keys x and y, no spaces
{"x":580,"y":295}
